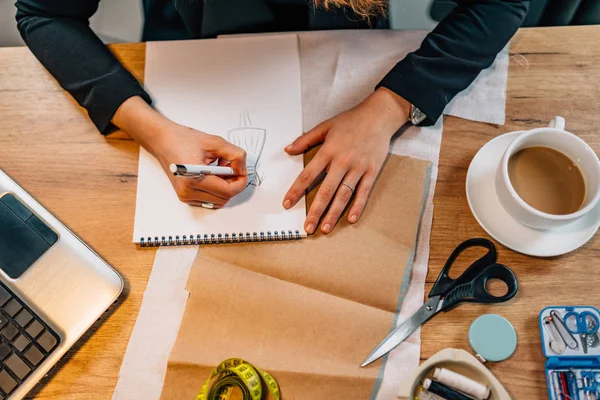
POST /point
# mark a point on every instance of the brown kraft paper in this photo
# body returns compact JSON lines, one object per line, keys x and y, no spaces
{"x":308,"y":311}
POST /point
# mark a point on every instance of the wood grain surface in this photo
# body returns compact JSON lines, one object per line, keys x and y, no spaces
{"x":48,"y":145}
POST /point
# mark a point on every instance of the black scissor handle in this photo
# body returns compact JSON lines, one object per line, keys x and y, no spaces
{"x":475,"y":291}
{"x":444,"y":283}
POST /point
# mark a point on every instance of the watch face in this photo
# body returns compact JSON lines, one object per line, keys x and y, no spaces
{"x":417,"y":116}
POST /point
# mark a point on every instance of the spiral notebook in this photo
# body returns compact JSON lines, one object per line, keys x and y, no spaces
{"x":248,"y":91}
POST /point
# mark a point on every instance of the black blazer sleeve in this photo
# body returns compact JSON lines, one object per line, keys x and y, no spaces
{"x":58,"y":34}
{"x":454,"y":53}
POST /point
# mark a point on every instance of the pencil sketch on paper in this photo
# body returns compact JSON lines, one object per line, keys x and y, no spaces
{"x":252,"y":140}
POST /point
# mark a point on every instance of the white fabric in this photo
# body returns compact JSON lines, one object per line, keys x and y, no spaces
{"x":145,"y":363}
{"x":423,"y":143}
{"x":339,"y":69}
{"x":485,"y":99}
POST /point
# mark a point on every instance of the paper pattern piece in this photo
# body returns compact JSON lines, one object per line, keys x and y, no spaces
{"x":246,"y":90}
{"x":307,"y":311}
{"x":323,"y":61}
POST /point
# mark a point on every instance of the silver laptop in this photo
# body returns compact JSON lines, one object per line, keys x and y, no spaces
{"x":52,"y":289}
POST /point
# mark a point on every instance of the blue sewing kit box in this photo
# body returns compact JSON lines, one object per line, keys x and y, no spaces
{"x":571,"y":344}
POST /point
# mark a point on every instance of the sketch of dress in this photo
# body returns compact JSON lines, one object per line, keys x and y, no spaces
{"x":253,"y":141}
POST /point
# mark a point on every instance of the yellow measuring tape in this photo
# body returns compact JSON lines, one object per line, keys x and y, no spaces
{"x":236,"y":372}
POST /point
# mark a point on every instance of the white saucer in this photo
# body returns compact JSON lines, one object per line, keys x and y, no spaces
{"x":499,"y":224}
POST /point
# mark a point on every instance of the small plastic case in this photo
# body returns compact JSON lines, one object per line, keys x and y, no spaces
{"x":571,"y":344}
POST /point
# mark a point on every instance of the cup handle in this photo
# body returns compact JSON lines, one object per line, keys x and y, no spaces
{"x":557,"y":123}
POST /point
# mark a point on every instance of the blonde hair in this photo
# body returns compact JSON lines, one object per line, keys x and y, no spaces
{"x":363,"y":8}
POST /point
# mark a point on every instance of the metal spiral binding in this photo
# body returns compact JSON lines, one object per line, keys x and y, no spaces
{"x":219,"y":238}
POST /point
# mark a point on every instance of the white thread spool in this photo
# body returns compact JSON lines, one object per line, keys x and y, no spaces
{"x":461,"y":383}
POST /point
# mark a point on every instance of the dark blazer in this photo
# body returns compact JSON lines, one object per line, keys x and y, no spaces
{"x":449,"y":59}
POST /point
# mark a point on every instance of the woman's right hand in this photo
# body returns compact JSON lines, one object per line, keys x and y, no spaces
{"x":183,"y":145}
{"x":172,"y":143}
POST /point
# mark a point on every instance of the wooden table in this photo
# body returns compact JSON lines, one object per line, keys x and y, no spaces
{"x":50,"y":147}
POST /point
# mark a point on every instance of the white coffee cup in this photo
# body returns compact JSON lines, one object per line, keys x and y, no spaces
{"x":554,"y":137}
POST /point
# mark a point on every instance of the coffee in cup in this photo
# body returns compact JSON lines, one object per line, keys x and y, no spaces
{"x":547,"y":180}
{"x":548,"y":177}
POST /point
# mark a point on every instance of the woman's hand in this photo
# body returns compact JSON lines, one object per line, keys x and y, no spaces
{"x":172,"y":143}
{"x":356,"y":144}
{"x":183,"y":145}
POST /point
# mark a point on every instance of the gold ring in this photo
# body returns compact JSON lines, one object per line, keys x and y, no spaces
{"x":348,"y":186}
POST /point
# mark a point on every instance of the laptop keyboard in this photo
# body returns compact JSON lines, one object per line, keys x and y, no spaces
{"x":25,"y":341}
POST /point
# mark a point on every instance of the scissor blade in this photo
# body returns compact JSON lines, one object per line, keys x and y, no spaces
{"x":398,"y":335}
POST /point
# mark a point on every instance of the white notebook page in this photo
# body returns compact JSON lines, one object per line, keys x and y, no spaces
{"x":246,"y":90}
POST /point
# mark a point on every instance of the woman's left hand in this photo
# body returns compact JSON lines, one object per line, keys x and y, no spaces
{"x":356,"y":144}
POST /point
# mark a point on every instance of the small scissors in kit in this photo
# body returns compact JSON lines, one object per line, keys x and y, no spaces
{"x":586,"y":326}
{"x":447,"y":293}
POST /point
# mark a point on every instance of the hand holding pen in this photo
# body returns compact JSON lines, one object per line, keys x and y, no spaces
{"x":211,"y":191}
{"x":172,"y":143}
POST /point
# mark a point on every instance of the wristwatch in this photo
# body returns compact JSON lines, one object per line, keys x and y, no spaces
{"x":416,"y":116}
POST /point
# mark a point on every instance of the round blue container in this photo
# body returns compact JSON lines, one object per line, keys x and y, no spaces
{"x":492,"y":337}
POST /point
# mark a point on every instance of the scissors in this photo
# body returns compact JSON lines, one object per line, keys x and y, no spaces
{"x":447,"y":293}
{"x":586,"y":326}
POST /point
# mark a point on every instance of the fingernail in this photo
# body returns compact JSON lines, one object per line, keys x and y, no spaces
{"x":310,"y":228}
{"x":353,"y":218}
{"x":326,"y":228}
{"x":287,"y":203}
{"x":288,"y":148}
